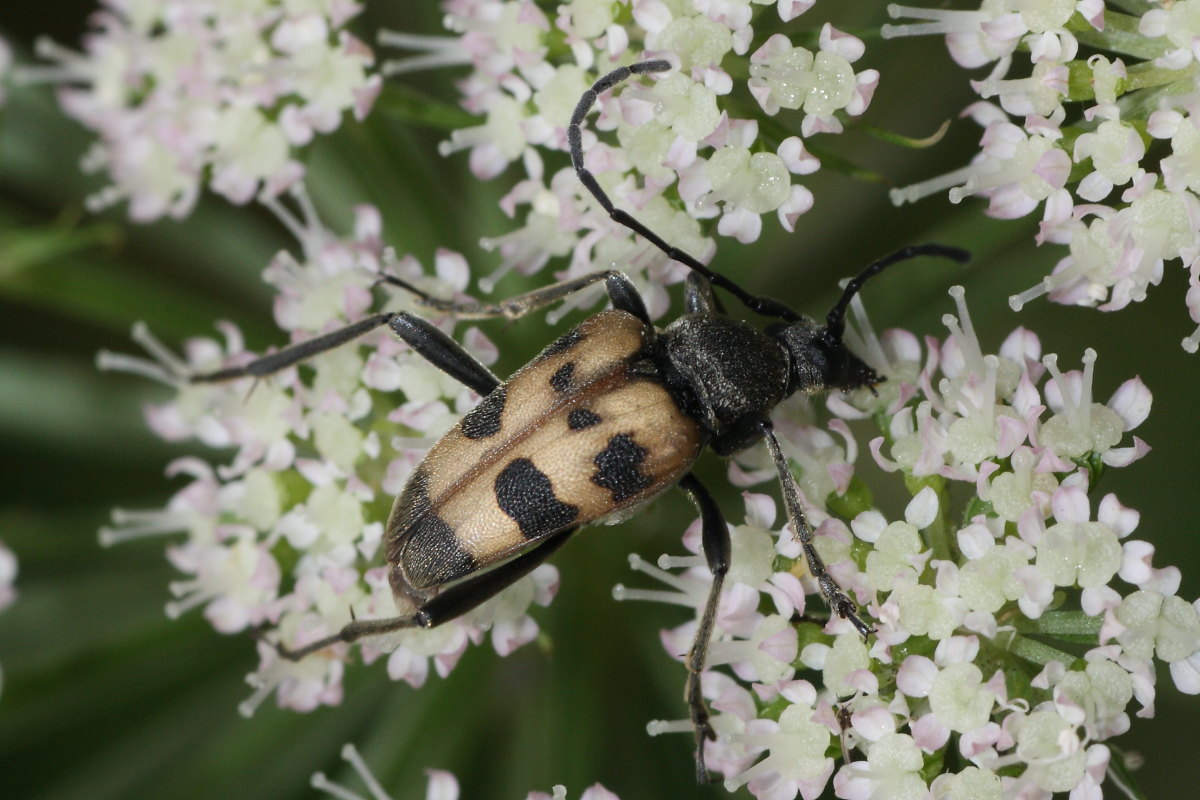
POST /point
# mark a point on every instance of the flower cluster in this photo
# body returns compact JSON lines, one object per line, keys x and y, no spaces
{"x":683,"y":154}
{"x":442,"y":785}
{"x":1105,"y":145}
{"x":955,"y":588}
{"x":286,"y":534}
{"x":186,"y":95}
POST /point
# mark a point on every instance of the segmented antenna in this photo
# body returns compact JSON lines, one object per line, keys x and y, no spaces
{"x":835,"y":323}
{"x":763,"y":305}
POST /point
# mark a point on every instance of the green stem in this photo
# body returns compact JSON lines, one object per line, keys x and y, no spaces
{"x":1061,"y":623}
{"x":835,"y":162}
{"x":409,"y":105}
{"x":1120,"y":35}
{"x":1038,"y":652}
{"x":1146,"y":76}
{"x":891,"y":137}
{"x":1120,"y":776}
{"x":1136,"y":8}
{"x":939,"y":535}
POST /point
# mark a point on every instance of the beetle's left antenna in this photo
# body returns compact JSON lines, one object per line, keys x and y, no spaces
{"x":762,"y":305}
{"x":835,"y":322}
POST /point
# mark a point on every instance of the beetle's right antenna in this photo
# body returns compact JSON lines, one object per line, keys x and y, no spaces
{"x":762,"y":305}
{"x":835,"y":322}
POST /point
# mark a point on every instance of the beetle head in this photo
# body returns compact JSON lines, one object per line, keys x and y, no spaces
{"x":820,"y":361}
{"x":819,"y":358}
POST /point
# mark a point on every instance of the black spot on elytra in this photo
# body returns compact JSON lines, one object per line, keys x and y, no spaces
{"x":581,"y":418}
{"x":484,"y":419}
{"x":619,"y":467}
{"x":560,"y":381}
{"x":563,"y":343}
{"x":525,"y":493}
{"x":421,"y":546}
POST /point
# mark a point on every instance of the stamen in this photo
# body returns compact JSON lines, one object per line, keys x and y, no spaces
{"x":680,"y":562}
{"x":1192,"y":343}
{"x":139,"y":525}
{"x":107,"y":361}
{"x":862,"y":338}
{"x":322,"y":784}
{"x":192,"y":596}
{"x":161,"y":353}
{"x":968,"y":341}
{"x":262,"y":690}
{"x":622,"y":592}
{"x":1017,"y":301}
{"x":657,"y":727}
{"x":915,"y":191}
{"x":938,"y":21}
{"x":350,"y":754}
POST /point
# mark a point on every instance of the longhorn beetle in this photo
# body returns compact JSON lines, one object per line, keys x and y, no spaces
{"x":609,"y":415}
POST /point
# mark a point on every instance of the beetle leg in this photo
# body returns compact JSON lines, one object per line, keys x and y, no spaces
{"x":715,"y":539}
{"x":838,"y":602}
{"x":448,"y":604}
{"x":430,"y":342}
{"x":426,"y":340}
{"x":620,"y":290}
{"x":436,"y":347}
{"x":698,"y":297}
{"x":459,"y":598}
{"x":282,"y":359}
{"x":352,"y":632}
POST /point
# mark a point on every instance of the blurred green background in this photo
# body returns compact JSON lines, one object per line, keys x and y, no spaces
{"x":103,"y":697}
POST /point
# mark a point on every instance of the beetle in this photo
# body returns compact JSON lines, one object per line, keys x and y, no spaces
{"x":608,"y":416}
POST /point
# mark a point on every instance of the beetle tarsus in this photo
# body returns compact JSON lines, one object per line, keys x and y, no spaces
{"x":300,"y":653}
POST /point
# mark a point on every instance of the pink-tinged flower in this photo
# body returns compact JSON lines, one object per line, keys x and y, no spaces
{"x":1116,"y":151}
{"x":670,"y":128}
{"x":1041,"y":93}
{"x":1050,"y":748}
{"x":1076,"y":551}
{"x":972,"y":782}
{"x":1079,"y":425}
{"x":1179,"y":27}
{"x":974,"y":38}
{"x":1095,"y":697}
{"x":783,"y":76}
{"x":794,"y":761}
{"x":1149,"y":624}
{"x":1015,"y":171}
{"x":891,"y":770}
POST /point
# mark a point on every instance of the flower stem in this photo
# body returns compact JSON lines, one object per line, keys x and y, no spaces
{"x":1120,"y":35}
